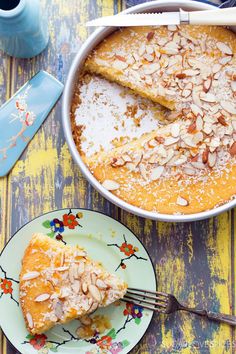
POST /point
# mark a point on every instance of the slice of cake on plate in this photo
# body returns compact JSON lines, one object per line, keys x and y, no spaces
{"x":59,"y":283}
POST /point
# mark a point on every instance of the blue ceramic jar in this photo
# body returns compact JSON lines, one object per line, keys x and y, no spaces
{"x":23,"y":28}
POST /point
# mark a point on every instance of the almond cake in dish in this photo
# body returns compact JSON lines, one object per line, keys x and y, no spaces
{"x":187,"y":162}
{"x":59,"y":283}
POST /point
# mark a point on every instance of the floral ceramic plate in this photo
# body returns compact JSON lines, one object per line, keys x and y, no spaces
{"x":115,"y":329}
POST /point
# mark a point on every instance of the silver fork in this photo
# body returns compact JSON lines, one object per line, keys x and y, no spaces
{"x":166,"y":303}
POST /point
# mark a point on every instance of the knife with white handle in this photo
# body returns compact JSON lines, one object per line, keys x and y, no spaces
{"x":218,"y":17}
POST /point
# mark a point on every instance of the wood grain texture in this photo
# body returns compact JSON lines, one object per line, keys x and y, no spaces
{"x":195,"y":260}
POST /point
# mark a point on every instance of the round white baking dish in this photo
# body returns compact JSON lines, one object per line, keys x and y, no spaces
{"x":97,"y":36}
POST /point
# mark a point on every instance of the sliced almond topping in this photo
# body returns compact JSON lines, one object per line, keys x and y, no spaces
{"x":222,"y":121}
{"x":42,"y":297}
{"x":101,"y":284}
{"x":205,"y":156}
{"x":225,"y":60}
{"x":95,"y":293}
{"x":189,"y":171}
{"x":117,"y":162}
{"x":85,"y":287}
{"x":80,"y":269}
{"x":126,"y":158}
{"x":233,"y":86}
{"x":224,"y":48}
{"x":232,"y":149}
{"x":120,"y":65}
{"x":175,"y":130}
{"x":211,"y":159}
{"x":186,"y":93}
{"x":196,"y":110}
{"x":181,"y":75}
{"x":76,"y":286}
{"x":156,"y":173}
{"x":151,"y":68}
{"x":170,"y":141}
{"x":110,"y":185}
{"x":207,"y":84}
{"x":150,"y":35}
{"x":119,"y":57}
{"x":61,"y":269}
{"x":192,"y":128}
{"x":152,"y":143}
{"x":196,"y":99}
{"x":30,"y":275}
{"x":216,"y":68}
{"x":181,"y":201}
{"x":199,"y":123}
{"x":207,"y":97}
{"x":191,"y":72}
{"x":228,"y":106}
{"x":29,"y":320}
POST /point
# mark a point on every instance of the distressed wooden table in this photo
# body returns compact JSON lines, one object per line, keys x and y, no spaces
{"x":195,"y":260}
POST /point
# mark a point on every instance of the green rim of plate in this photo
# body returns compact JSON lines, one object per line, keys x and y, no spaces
{"x":106,"y":240}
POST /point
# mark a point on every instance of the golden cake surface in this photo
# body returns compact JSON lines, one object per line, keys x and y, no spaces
{"x":59,"y":283}
{"x":189,"y":164}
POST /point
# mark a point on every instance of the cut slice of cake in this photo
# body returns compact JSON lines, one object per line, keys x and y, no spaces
{"x":168,"y":64}
{"x":59,"y":283}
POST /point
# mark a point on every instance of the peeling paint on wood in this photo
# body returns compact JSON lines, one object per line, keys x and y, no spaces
{"x":195,"y":261}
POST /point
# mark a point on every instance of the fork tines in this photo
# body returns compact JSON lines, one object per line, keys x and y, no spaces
{"x":151,"y":300}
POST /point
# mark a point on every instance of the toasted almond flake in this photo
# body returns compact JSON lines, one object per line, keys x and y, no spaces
{"x":232,"y":149}
{"x":130,"y":166}
{"x":84,"y":287}
{"x":196,"y":110}
{"x":110,"y":185}
{"x":205,"y":156}
{"x":148,"y":80}
{"x":76,"y":286}
{"x":151,"y":68}
{"x":30,"y":275}
{"x":119,"y":65}
{"x":126,"y":158}
{"x":187,"y":139}
{"x":150,"y":35}
{"x":199,"y":123}
{"x":196,"y":99}
{"x":189,"y":171}
{"x":175,"y":130}
{"x":42,"y":297}
{"x":101,"y":284}
{"x":191,"y":72}
{"x":170,"y":141}
{"x":80,"y":269}
{"x":224,"y":48}
{"x":169,"y":50}
{"x":152,"y":143}
{"x":169,"y":156}
{"x":222,"y":121}
{"x":207,"y":97}
{"x":186,"y":93}
{"x":225,"y":60}
{"x":61,"y":269}
{"x":212,"y":159}
{"x":180,"y":75}
{"x":228,"y":106}
{"x":29,"y":320}
{"x":93,"y":307}
{"x":198,"y":165}
{"x":182,"y":201}
{"x":149,"y":57}
{"x":80,"y":253}
{"x":233,"y":86}
{"x":216,"y":68}
{"x":234,"y":124}
{"x":117,"y":162}
{"x":142,"y":49}
{"x":95,"y":293}
{"x":156,"y":173}
{"x":192,"y":127}
{"x":198,"y":137}
{"x":149,"y":49}
{"x":143,"y":171}
{"x":121,"y":58}
{"x":207,"y":84}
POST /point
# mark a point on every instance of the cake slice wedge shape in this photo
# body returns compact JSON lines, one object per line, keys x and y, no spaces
{"x":59,"y":283}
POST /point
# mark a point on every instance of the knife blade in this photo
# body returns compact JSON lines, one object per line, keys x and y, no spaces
{"x":218,"y":17}
{"x":167,"y":18}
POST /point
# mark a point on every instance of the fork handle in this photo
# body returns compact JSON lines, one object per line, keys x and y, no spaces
{"x":219,"y":317}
